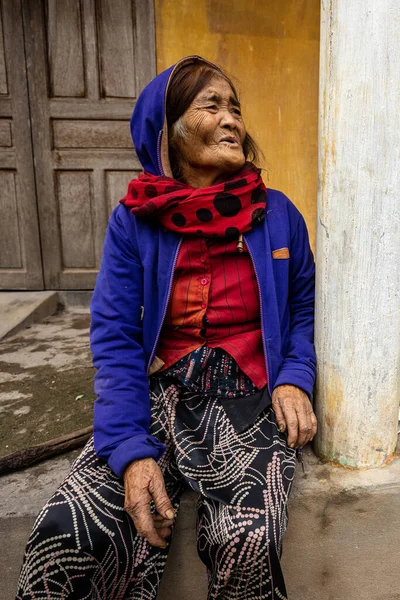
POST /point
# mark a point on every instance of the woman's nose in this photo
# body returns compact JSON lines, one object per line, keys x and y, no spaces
{"x":227,"y":119}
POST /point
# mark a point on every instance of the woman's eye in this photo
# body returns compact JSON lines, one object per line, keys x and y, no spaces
{"x":212,"y":107}
{"x":237,"y":111}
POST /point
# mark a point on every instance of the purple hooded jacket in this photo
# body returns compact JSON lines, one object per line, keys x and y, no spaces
{"x":133,"y":287}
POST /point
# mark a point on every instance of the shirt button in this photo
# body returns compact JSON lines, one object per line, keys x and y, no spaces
{"x":204,"y":281}
{"x":203,"y":305}
{"x":203,"y":258}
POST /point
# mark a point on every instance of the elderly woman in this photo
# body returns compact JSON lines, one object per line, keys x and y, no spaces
{"x":202,"y":334}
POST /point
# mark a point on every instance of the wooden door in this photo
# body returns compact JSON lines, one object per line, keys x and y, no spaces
{"x":20,"y":260}
{"x":87,"y":61}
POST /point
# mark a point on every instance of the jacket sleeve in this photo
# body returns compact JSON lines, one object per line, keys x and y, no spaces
{"x":299,"y":364}
{"x":122,"y":407}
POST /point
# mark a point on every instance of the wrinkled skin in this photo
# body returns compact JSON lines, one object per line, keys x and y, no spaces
{"x":144,"y":481}
{"x":206,"y":159}
{"x":206,"y":156}
{"x":294,"y":414}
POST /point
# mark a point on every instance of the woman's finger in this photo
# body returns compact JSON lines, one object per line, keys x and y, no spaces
{"x":305,"y":426}
{"x":160,"y":523}
{"x":143,"y":481}
{"x":160,"y":497}
{"x":158,"y":517}
{"x":314,"y":424}
{"x":291,"y":424}
{"x":139,"y":510}
{"x":279,"y":416}
{"x":164,"y":532}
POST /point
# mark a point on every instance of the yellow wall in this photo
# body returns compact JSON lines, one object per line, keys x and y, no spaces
{"x":270,"y":48}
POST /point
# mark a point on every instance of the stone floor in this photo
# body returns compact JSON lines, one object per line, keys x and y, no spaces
{"x":46,"y":381}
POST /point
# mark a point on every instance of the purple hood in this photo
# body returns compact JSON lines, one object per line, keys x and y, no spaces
{"x":148,"y":124}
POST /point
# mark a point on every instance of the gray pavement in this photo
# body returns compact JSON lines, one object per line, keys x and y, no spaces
{"x":46,"y":381}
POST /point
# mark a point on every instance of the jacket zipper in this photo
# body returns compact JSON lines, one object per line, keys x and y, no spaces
{"x":262,"y":320}
{"x":165,"y":306}
{"x":158,"y":152}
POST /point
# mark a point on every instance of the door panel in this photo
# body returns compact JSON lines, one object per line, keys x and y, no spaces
{"x":20,"y":260}
{"x":116,"y":28}
{"x":65,"y":49}
{"x":10,"y":254}
{"x":75,"y":218}
{"x":87,"y":62}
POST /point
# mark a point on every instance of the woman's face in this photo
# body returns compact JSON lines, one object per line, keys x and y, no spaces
{"x":215,"y":132}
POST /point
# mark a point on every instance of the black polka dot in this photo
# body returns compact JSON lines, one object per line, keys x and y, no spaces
{"x":203,"y":214}
{"x":199,"y":231}
{"x":227,"y":205}
{"x":150,"y":191}
{"x":258,"y":195}
{"x":178,"y":219}
{"x":134,"y":193}
{"x":232,"y":232}
{"x":171,"y":188}
{"x":258,"y":215}
{"x":232,"y":185}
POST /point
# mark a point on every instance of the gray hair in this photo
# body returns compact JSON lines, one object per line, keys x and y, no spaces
{"x":178,"y":132}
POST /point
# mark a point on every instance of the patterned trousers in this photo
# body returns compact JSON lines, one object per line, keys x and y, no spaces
{"x":85,"y":546}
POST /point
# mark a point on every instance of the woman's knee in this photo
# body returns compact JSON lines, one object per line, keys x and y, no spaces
{"x":253,"y":540}
{"x":240,"y":535}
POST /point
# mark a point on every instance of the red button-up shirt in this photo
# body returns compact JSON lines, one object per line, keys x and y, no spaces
{"x":215,"y":302}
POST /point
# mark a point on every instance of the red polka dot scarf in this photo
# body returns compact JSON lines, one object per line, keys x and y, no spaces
{"x":221,"y":210}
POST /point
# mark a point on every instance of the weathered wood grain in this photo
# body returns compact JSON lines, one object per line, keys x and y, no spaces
{"x":117,"y":184}
{"x":75,"y":195}
{"x":10,"y":250}
{"x":3,"y":69}
{"x":20,"y":258}
{"x":5,"y":134}
{"x":65,"y":48}
{"x":116,"y":25}
{"x":81,"y":135}
{"x":93,"y":109}
{"x":96,"y":159}
{"x":91,"y":134}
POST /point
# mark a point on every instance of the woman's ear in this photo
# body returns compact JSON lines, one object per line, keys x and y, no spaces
{"x":177,"y":134}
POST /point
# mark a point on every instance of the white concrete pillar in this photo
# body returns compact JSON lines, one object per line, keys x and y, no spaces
{"x":358,"y":232}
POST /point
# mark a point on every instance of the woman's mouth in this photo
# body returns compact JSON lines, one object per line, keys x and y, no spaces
{"x":229,"y":140}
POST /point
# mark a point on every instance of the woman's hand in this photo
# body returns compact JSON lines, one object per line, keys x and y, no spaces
{"x":144,"y":482}
{"x":294,"y":414}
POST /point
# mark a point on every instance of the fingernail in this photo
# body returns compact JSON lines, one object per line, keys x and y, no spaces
{"x":281,"y":428}
{"x":169,"y":514}
{"x":291,"y":445}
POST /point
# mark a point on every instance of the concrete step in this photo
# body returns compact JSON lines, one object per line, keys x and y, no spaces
{"x":20,"y":309}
